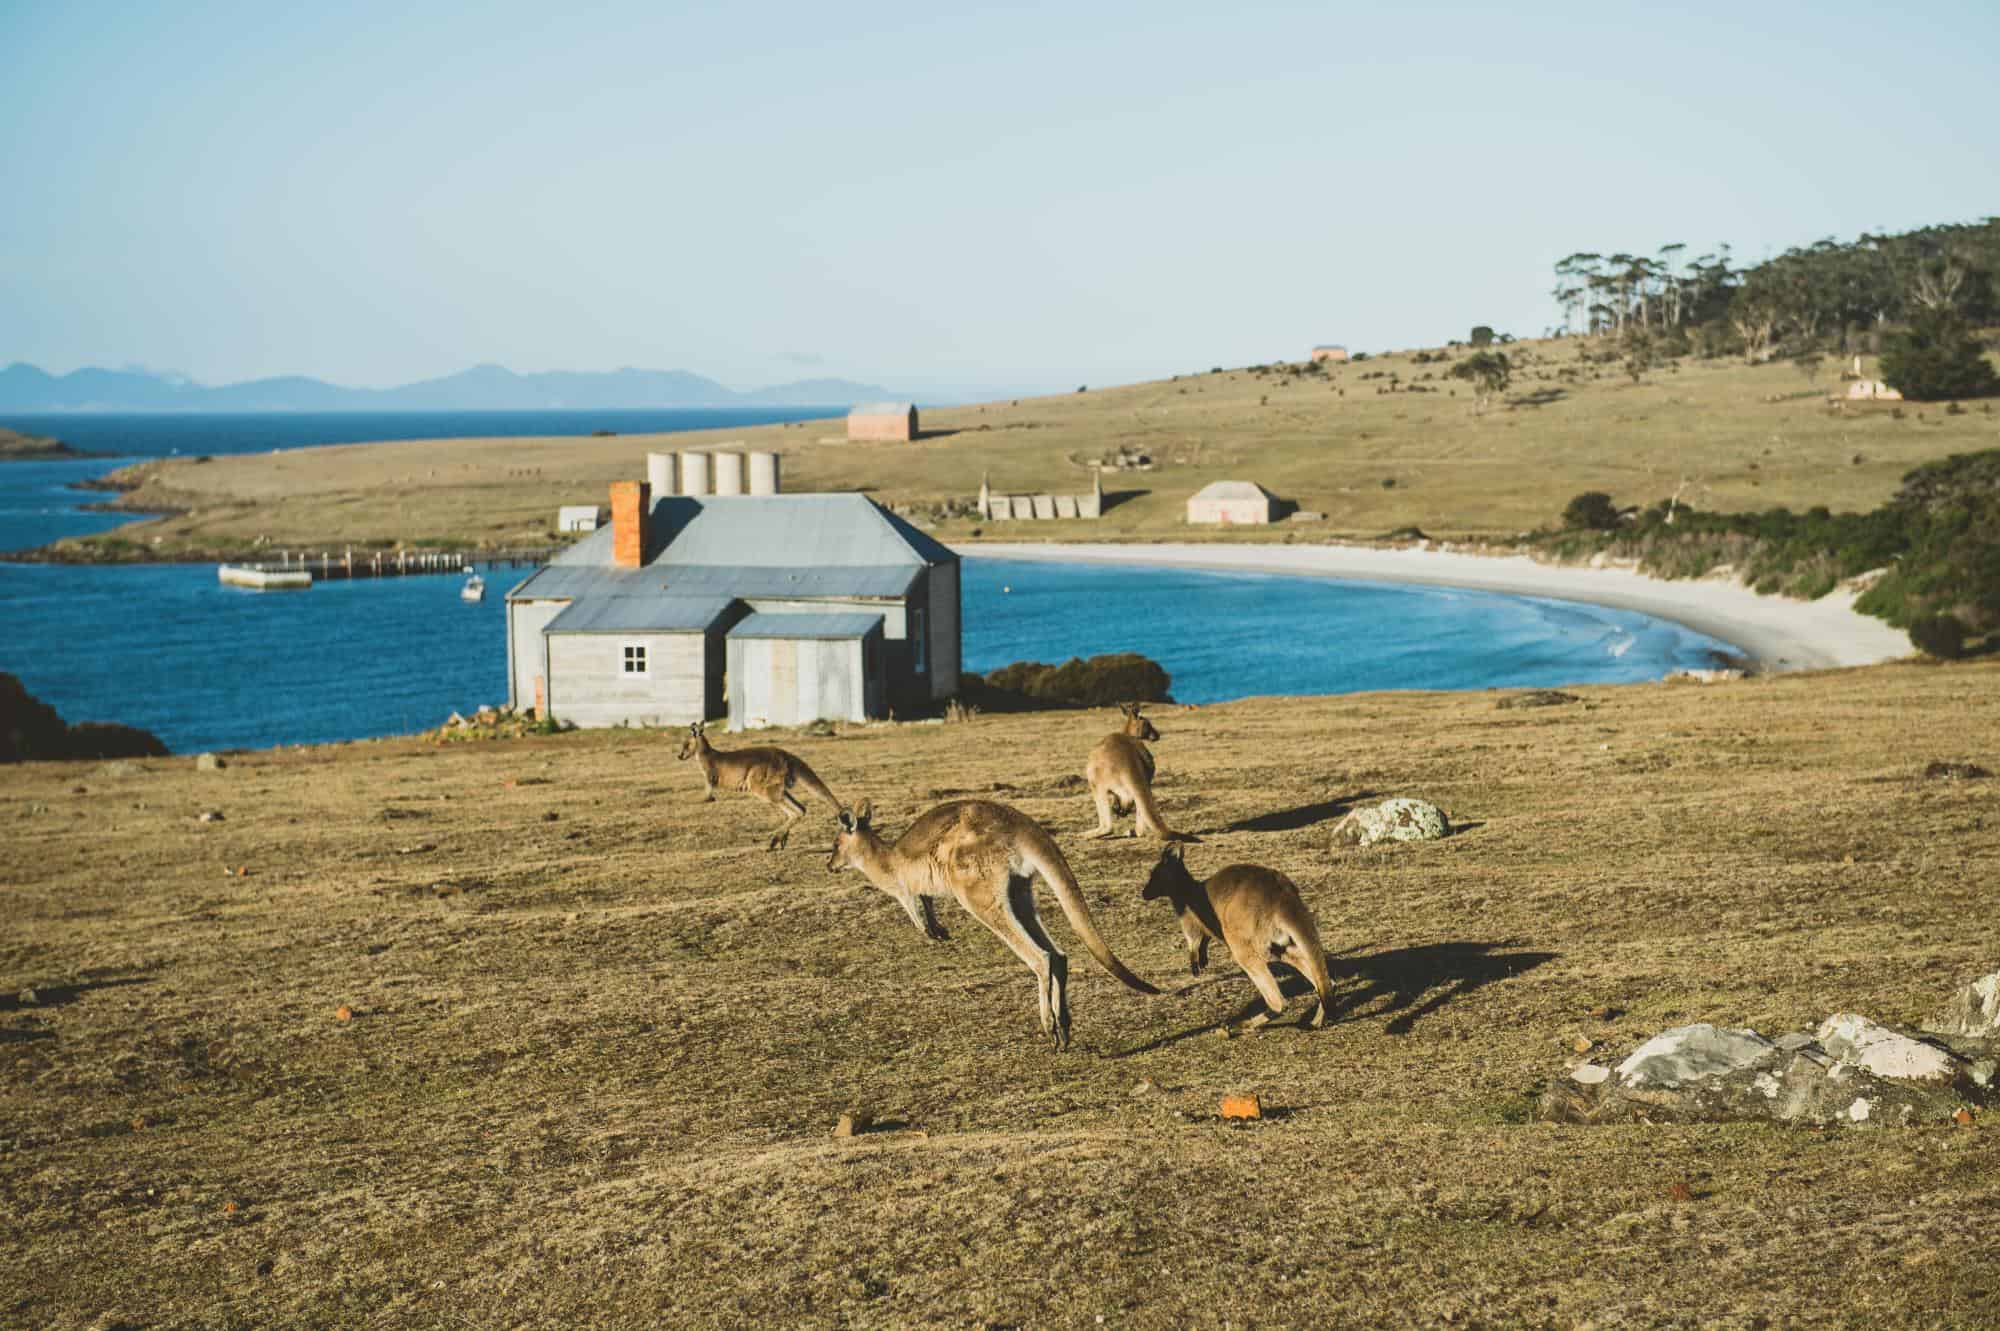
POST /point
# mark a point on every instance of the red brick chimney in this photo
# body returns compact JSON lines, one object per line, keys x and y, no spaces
{"x":630,"y":502}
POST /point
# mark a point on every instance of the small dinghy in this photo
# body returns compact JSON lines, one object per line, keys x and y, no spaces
{"x":473,"y":590}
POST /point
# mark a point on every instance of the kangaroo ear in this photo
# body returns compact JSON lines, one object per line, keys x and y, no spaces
{"x":846,"y":820}
{"x":863,"y":812}
{"x":1176,"y":852}
{"x":1127,"y":708}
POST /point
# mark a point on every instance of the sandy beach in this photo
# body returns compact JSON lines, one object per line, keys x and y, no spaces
{"x":1775,"y":632}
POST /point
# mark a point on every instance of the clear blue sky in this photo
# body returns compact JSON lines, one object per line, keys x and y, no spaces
{"x":1036,"y":196}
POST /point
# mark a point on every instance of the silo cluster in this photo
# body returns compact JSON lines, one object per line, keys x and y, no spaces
{"x":715,"y":473}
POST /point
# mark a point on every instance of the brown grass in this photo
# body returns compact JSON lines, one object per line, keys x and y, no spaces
{"x":599,"y":1039}
{"x":1740,"y":437}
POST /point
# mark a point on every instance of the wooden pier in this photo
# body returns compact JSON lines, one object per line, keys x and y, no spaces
{"x":302,"y":568}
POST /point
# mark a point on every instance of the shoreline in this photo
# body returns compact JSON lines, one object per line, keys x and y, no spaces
{"x":1776,"y":633}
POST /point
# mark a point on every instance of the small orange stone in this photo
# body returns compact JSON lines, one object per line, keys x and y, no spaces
{"x":1963,"y":1118}
{"x":1680,"y":1192}
{"x":343,"y":1013}
{"x":1242,"y":1106}
{"x":229,"y":1208}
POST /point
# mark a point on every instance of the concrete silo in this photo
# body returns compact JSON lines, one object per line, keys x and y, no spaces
{"x":694,"y":473}
{"x":660,"y":473}
{"x":729,"y":473}
{"x":763,"y":473}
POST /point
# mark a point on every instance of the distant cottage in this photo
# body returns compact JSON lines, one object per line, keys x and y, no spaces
{"x":771,"y":609}
{"x":1329,"y":352}
{"x":1230,"y":502}
{"x":883,"y":420}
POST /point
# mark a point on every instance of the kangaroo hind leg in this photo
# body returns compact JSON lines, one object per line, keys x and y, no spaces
{"x":1259,"y":970}
{"x":996,"y":911}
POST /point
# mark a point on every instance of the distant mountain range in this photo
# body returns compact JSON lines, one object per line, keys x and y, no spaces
{"x":23,"y":387}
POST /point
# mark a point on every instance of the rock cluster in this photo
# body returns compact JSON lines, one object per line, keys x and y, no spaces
{"x":502,"y":722}
{"x":1392,"y":820}
{"x":1848,"y":1071}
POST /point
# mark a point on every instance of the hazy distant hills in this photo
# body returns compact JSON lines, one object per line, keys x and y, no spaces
{"x":23,"y":387}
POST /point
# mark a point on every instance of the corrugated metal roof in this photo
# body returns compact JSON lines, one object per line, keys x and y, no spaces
{"x":818,"y":625}
{"x":707,"y":579}
{"x":750,"y":545}
{"x":884,"y":409}
{"x":640,"y":614}
{"x":1232,"y":490}
{"x":565,"y":582}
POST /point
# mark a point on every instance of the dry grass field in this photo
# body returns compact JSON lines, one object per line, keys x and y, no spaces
{"x":1373,"y":461}
{"x":598,"y":1038}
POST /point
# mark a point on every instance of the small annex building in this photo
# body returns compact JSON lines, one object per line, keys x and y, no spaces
{"x":769,"y":609}
{"x":893,"y":421}
{"x":1231,"y":502}
{"x":577,"y":517}
{"x":1326,"y":351}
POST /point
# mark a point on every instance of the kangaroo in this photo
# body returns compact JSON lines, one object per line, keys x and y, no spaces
{"x":1259,"y":916}
{"x":1120,"y":773}
{"x":987,"y":855}
{"x":769,"y":774}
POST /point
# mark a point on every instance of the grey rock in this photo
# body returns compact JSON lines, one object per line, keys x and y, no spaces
{"x":1687,"y":1054}
{"x":1973,"y":1010}
{"x":1706,"y":1073}
{"x":1794,"y":1041}
{"x":1876,"y":1049}
{"x":209,"y":816}
{"x":1392,"y":820}
{"x":209,"y":762}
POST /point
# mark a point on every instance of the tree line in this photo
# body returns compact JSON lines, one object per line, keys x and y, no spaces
{"x":1915,"y":296}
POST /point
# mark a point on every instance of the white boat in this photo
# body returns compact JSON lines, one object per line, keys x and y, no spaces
{"x":473,"y":590}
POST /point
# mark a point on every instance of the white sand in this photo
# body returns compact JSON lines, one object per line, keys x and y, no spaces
{"x":1776,"y":632}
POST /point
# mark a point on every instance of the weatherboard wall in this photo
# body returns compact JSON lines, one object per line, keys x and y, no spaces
{"x":591,"y":687}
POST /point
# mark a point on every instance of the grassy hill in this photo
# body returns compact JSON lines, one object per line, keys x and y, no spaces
{"x":597,"y":1041}
{"x":1378,"y":445}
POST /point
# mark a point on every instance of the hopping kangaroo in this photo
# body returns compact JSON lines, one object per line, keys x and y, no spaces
{"x":987,"y":855}
{"x":1120,"y":773}
{"x":769,"y":774}
{"x":1259,"y":916}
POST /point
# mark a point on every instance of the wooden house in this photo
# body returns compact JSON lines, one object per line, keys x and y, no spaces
{"x":770,"y":609}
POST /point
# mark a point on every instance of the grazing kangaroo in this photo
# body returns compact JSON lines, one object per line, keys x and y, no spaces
{"x":1120,"y":773}
{"x":987,"y":855}
{"x":769,"y":774}
{"x":1259,"y":916}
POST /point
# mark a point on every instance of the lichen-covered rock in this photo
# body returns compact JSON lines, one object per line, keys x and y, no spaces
{"x":1974,"y":1010}
{"x":1391,"y":820}
{"x":1706,"y":1073}
{"x":1876,"y":1049}
{"x":1687,"y":1054}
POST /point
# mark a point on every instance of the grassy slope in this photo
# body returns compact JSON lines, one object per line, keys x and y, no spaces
{"x":17,"y":446}
{"x":601,"y":1039}
{"x":1455,"y":474}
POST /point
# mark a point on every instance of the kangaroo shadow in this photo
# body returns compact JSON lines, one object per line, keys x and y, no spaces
{"x":1306,"y":815}
{"x":62,"y":995}
{"x":1541,"y":397}
{"x":1405,"y":984}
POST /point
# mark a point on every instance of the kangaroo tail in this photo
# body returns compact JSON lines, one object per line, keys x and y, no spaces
{"x":798,"y":774}
{"x":1149,"y":815}
{"x":1049,"y":862}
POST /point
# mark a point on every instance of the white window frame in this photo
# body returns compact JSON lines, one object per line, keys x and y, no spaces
{"x":635,"y":652}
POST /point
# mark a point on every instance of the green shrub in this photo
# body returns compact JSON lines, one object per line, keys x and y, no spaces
{"x":1937,"y":359}
{"x":1592,"y":511}
{"x":1482,"y":335}
{"x":30,"y":729}
{"x":1098,"y":682}
{"x":1941,"y":636}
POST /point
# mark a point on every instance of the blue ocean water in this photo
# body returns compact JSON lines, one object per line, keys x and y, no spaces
{"x":204,"y":666}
